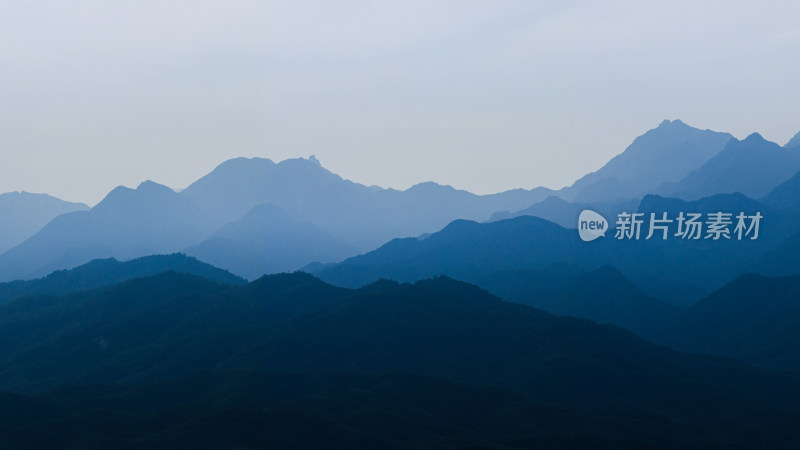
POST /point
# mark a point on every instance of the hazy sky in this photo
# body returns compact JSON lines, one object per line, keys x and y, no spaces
{"x":484,"y":96}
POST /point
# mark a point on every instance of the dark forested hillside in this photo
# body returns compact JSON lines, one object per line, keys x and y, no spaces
{"x":521,"y":375}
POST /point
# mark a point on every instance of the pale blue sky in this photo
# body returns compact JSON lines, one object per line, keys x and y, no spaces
{"x":484,"y":96}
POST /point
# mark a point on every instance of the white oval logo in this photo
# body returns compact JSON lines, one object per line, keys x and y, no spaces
{"x":591,"y":225}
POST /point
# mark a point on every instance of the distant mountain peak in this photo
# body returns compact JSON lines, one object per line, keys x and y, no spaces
{"x":146,"y":189}
{"x":672,"y":123}
{"x":152,"y":186}
{"x":430,"y":185}
{"x":665,"y":154}
{"x":754,"y":137}
{"x":243,"y":161}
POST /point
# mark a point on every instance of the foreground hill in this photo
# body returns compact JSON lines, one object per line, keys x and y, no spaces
{"x":603,"y":295}
{"x":754,"y":318}
{"x":477,"y":370}
{"x":312,"y":363}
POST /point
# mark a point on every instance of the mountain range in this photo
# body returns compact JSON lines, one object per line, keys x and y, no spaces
{"x":431,"y":317}
{"x":675,"y":270}
{"x":255,"y":216}
{"x":174,"y":358}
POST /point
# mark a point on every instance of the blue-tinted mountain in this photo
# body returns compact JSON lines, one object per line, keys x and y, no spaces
{"x":267,"y":240}
{"x":664,"y":154}
{"x":793,"y":142}
{"x":603,"y":295}
{"x":466,"y":250}
{"x":127,"y":223}
{"x":107,"y":272}
{"x":326,"y":217}
{"x":752,"y":167}
{"x":754,"y":318}
{"x":138,"y":346}
{"x":677,"y":271}
{"x":22,"y":214}
{"x":786,"y":195}
{"x":362,"y":216}
{"x":565,"y":213}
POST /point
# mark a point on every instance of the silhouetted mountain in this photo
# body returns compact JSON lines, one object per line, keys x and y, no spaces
{"x":786,"y":195}
{"x":674,"y":270}
{"x":356,"y":214}
{"x":709,"y":264}
{"x":22,"y":214}
{"x":128,"y":223}
{"x":664,"y":154}
{"x":754,"y":318}
{"x":564,"y":213}
{"x":336,"y":360}
{"x":107,"y":272}
{"x":603,"y":295}
{"x":467,"y":250}
{"x":267,"y":240}
{"x":326,"y":219}
{"x":752,"y":167}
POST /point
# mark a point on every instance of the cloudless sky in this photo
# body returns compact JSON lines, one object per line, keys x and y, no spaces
{"x":482,"y":95}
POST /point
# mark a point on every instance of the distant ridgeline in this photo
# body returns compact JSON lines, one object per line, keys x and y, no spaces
{"x":254,"y":216}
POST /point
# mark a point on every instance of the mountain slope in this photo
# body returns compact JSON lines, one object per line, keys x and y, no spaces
{"x":564,"y":213}
{"x":468,"y":251}
{"x":267,"y":240}
{"x":793,"y":142}
{"x":675,"y":270}
{"x":786,"y":195}
{"x":664,"y":154}
{"x":22,"y":214}
{"x":128,"y":223}
{"x":754,"y":318}
{"x":603,"y":295}
{"x":752,"y":167}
